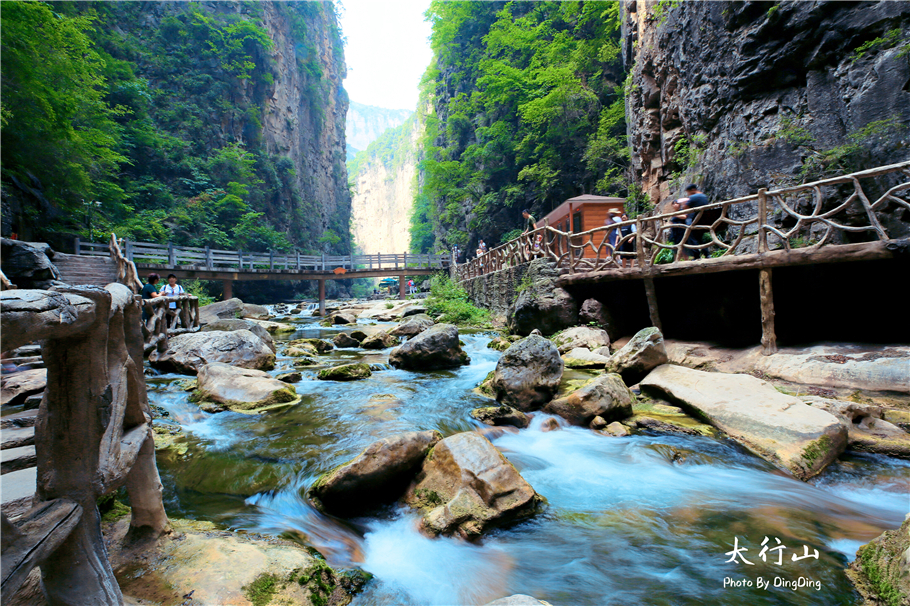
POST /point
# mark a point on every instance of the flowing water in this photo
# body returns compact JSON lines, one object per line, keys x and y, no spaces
{"x":649,"y":519}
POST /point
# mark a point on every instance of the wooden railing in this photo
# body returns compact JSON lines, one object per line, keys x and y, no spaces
{"x":832,"y":211}
{"x":193,"y":257}
{"x":160,"y":320}
{"x":92,"y":436}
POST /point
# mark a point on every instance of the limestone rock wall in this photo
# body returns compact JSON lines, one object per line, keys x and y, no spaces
{"x":742,"y":95}
{"x":497,"y":290}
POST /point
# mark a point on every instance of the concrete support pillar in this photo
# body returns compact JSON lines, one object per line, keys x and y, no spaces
{"x":228,"y":289}
{"x":322,"y":298}
{"x":401,"y":288}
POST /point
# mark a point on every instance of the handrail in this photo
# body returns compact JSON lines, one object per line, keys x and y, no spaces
{"x":779,"y":219}
{"x":206,"y":258}
{"x":160,"y":320}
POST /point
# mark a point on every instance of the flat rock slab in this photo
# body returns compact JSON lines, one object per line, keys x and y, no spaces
{"x":241,"y":389}
{"x":16,"y":437}
{"x":18,"y":489}
{"x":17,"y":386}
{"x":25,"y":418}
{"x":867,"y":431}
{"x":582,"y":357}
{"x":16,"y":459}
{"x":780,"y":428}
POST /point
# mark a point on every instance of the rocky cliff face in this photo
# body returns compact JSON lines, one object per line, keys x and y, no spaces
{"x":742,"y":95}
{"x":366,"y":122}
{"x":384,"y":177}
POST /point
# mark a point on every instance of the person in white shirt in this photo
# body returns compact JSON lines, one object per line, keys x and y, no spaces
{"x":172,"y":289}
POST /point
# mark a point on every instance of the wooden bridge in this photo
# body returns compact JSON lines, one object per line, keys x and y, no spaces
{"x":229,"y":265}
{"x":828,"y":221}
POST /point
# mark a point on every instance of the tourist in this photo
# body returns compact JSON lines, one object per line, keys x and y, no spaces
{"x":530,"y":223}
{"x":696,"y":199}
{"x":172,"y":289}
{"x":150,"y":291}
{"x":627,"y":246}
{"x":479,"y":254}
{"x":613,"y":234}
{"x":411,"y":288}
{"x":676,"y":233}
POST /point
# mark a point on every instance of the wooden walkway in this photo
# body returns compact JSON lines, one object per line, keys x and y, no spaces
{"x":830,"y":221}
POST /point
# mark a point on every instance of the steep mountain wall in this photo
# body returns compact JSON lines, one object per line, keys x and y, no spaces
{"x":742,"y":95}
{"x":384,"y":177}
{"x":366,"y":122}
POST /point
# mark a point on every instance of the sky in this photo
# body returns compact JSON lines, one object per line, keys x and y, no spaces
{"x":387,"y":50}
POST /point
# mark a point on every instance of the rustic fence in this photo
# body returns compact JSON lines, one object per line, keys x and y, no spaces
{"x":93,"y":435}
{"x":199,"y":258}
{"x":160,"y":320}
{"x":813,"y":215}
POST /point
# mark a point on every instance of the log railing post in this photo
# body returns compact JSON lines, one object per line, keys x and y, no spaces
{"x":208,"y":258}
{"x":762,"y":220}
{"x":766,"y":299}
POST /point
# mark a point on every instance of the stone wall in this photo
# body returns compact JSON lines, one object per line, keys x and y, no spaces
{"x":496,"y":290}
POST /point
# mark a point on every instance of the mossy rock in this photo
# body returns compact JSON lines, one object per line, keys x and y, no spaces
{"x":346,"y":372}
{"x":879,"y":571}
{"x":320,"y":345}
{"x":302,"y":362}
{"x":499,"y":344}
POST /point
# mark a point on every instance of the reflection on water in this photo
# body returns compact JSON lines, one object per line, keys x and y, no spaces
{"x":640,"y":520}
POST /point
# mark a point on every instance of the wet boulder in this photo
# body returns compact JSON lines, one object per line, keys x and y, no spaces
{"x":320,"y":345}
{"x":234,"y":324}
{"x":527,"y":375}
{"x":435,"y":348}
{"x":380,"y":340}
{"x":593,"y":312}
{"x":28,"y":265}
{"x":867,"y":430}
{"x":501,"y":415}
{"x":378,"y":475}
{"x":582,"y":357}
{"x":543,"y":305}
{"x":359,"y":335}
{"x":643,"y":353}
{"x":343,"y":317}
{"x":240,"y":389}
{"x":229,"y":309}
{"x":466,"y":486}
{"x":794,"y":436}
{"x":499,"y":344}
{"x":412,"y":326}
{"x":274,"y":327}
{"x":187,"y":353}
{"x":289,"y":377}
{"x":581,"y":336}
{"x":345,"y":372}
{"x":881,"y":570}
{"x":414,"y":310}
{"x":255,"y":312}
{"x":344,"y":339}
{"x":605,"y":396}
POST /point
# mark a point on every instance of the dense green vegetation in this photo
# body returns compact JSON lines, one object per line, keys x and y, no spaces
{"x":158,"y":115}
{"x":528,"y":111}
{"x":449,"y":302}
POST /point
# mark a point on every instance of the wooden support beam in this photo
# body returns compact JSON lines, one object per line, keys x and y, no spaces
{"x":401,"y":283}
{"x":322,"y":298}
{"x":766,"y":299}
{"x":651,"y":294}
{"x":228,"y":286}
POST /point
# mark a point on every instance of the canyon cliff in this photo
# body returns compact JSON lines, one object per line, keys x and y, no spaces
{"x":742,"y":95}
{"x":366,"y":122}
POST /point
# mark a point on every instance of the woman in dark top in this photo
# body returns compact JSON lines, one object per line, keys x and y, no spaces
{"x":150,"y":291}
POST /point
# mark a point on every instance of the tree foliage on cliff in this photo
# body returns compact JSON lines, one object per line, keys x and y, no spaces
{"x":157,"y":113}
{"x":527,"y":112}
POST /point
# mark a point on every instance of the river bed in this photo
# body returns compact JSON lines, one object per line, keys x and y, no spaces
{"x":647,"y":519}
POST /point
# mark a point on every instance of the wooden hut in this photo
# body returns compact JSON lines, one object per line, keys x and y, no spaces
{"x":582,"y":213}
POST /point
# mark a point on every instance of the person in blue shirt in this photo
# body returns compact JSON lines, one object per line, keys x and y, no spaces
{"x":150,"y":291}
{"x":696,"y":199}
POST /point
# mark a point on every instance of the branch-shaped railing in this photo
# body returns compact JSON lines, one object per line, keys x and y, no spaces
{"x":832,"y":211}
{"x":160,"y":320}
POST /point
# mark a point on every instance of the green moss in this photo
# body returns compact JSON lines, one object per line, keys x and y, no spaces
{"x":428,"y":498}
{"x":262,"y":589}
{"x":320,"y":580}
{"x":345,"y":372}
{"x":869,"y":556}
{"x":815,"y":450}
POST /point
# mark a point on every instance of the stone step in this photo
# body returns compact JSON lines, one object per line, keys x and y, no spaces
{"x":26,"y":418}
{"x":18,"y":489}
{"x":15,"y":459}
{"x":16,"y":437}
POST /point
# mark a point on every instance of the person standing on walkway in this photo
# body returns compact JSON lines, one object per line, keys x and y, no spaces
{"x":150,"y":291}
{"x":613,"y":234}
{"x":530,"y":223}
{"x":629,"y":245}
{"x":696,"y":199}
{"x":172,"y":289}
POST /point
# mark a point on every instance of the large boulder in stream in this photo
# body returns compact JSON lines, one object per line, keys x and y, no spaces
{"x":255,"y":312}
{"x":582,"y":357}
{"x":240,"y":389}
{"x":787,"y":432}
{"x":528,"y":374}
{"x":881,"y":570}
{"x":234,"y":324}
{"x":229,"y":309}
{"x":643,"y":353}
{"x":378,"y":475}
{"x":412,"y":326}
{"x":543,"y":305}
{"x":344,"y":339}
{"x":187,"y":353}
{"x":605,"y":396}
{"x":380,"y":340}
{"x":345,"y":372}
{"x":581,"y":336}
{"x":501,"y":415}
{"x":466,"y":486}
{"x":435,"y":348}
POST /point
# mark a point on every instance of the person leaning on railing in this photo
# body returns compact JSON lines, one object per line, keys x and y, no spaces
{"x":150,"y":291}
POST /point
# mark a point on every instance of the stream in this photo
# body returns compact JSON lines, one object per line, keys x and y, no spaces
{"x":647,"y":519}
